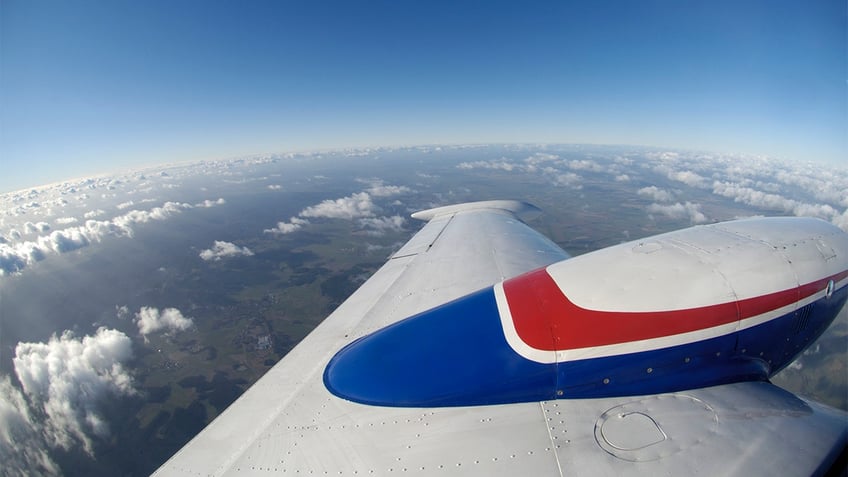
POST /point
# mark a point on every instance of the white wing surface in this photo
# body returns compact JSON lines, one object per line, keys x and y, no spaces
{"x":288,"y":423}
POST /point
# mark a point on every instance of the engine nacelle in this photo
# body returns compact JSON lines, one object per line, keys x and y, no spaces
{"x":698,"y":307}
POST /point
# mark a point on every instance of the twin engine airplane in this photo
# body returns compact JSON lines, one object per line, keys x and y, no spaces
{"x":482,"y":348}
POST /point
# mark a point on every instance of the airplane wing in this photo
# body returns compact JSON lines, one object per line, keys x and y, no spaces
{"x":290,"y":423}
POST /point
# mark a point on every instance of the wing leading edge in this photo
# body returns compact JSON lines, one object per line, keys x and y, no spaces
{"x":289,"y":423}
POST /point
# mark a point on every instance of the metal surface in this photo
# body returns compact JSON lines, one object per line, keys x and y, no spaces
{"x":288,"y":423}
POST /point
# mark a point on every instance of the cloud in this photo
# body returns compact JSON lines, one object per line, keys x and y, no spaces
{"x":224,"y":249}
{"x":151,"y":320}
{"x":585,"y":165}
{"x":381,"y":225}
{"x":502,"y":165}
{"x":388,"y":190}
{"x":358,"y":206}
{"x":23,"y":449}
{"x":656,"y":194}
{"x":66,"y":220}
{"x":294,"y":224}
{"x":16,"y":257}
{"x":65,"y":379}
{"x":39,"y":227}
{"x":211,"y":203}
{"x":569,"y":179}
{"x":688,"y":210}
{"x":274,"y":187}
{"x":351,"y":207}
{"x":689,"y":178}
{"x":771,"y":201}
{"x":94,"y":213}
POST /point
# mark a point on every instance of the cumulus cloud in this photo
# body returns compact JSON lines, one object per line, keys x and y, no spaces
{"x":689,"y":178}
{"x":23,"y":449}
{"x":274,"y":187}
{"x":15,"y":257}
{"x":687,"y":210}
{"x":656,"y":194}
{"x":150,"y":320}
{"x":381,"y":190}
{"x":359,"y":206}
{"x":94,"y":213}
{"x":381,"y":225}
{"x":569,"y":179}
{"x":65,"y":379}
{"x":211,"y":203}
{"x":39,"y":227}
{"x":585,"y":165}
{"x":66,"y":220}
{"x":294,"y":224}
{"x":351,"y":207}
{"x":771,"y":201}
{"x":224,"y":249}
{"x":502,"y":165}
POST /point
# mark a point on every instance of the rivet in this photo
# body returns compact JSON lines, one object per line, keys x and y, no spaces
{"x":686,"y":360}
{"x":559,"y":392}
{"x":606,"y":380}
{"x":650,"y":370}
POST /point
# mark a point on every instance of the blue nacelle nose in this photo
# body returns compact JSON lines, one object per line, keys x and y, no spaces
{"x":453,"y":355}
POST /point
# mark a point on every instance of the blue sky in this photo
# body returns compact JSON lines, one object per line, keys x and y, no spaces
{"x":93,"y":86}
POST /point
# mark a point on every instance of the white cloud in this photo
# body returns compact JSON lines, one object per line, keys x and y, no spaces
{"x":502,"y":165}
{"x":211,"y":203}
{"x":351,"y":207}
{"x":622,"y":178}
{"x":841,"y":221}
{"x":569,"y":179}
{"x":125,"y":205}
{"x":151,"y":320}
{"x":224,"y":249}
{"x":275,"y":186}
{"x":15,"y":257}
{"x":33,"y":228}
{"x":66,"y":220}
{"x":381,"y":190}
{"x":688,"y":210}
{"x":65,"y":379}
{"x":585,"y":165}
{"x":294,"y":224}
{"x":94,"y":213}
{"x":689,"y":178}
{"x":656,"y":194}
{"x":381,"y":225}
{"x":23,"y":450}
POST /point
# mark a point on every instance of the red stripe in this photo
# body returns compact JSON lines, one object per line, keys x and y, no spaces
{"x":547,"y":320}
